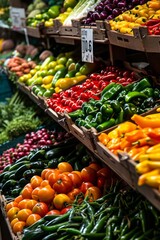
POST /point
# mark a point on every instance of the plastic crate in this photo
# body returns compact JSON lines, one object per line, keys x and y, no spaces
{"x":5,"y":86}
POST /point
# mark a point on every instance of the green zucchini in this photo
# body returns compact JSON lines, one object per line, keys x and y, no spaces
{"x":36,"y":155}
{"x":31,"y":172}
{"x":8,"y":185}
{"x":16,"y":165}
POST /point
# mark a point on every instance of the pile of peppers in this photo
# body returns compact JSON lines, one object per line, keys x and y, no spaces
{"x":117,"y":104}
{"x":141,"y":141}
{"x":153,"y":26}
{"x":120,"y":214}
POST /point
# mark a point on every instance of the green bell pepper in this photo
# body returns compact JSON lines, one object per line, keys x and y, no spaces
{"x":134,"y":95}
{"x":149,"y":92}
{"x":129,"y":110}
{"x":141,"y":85}
{"x":112,"y":92}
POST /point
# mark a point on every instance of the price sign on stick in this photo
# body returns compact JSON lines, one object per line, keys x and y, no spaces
{"x":18,"y":18}
{"x":87,"y":45}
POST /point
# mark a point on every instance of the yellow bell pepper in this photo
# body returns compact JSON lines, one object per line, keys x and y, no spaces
{"x":142,"y":178}
{"x":154,"y":4}
{"x":147,"y":166}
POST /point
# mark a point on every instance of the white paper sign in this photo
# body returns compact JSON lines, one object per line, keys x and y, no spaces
{"x":87,"y":45}
{"x":18,"y":18}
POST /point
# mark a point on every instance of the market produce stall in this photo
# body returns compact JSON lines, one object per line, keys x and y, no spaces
{"x":79,"y":140}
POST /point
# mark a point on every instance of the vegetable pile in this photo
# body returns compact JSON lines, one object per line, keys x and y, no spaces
{"x":120,"y":214}
{"x":33,"y":140}
{"x":73,"y":98}
{"x":141,"y":141}
{"x":17,"y":117}
{"x":109,"y":9}
{"x":125,"y":22}
{"x":117,"y":104}
{"x":153,"y":26}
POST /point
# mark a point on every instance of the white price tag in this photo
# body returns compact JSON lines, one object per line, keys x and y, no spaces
{"x":18,"y":18}
{"x":87,"y":45}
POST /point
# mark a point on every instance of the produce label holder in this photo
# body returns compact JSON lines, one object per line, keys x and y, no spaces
{"x":134,"y":41}
{"x":151,"y":42}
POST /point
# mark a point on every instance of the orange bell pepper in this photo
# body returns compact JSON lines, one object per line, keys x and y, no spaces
{"x":103,"y":138}
{"x":135,"y":135}
{"x":144,"y":122}
{"x":143,"y":141}
{"x":155,"y":134}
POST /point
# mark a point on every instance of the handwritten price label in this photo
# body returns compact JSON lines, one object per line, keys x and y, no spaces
{"x":87,"y":45}
{"x":18,"y":18}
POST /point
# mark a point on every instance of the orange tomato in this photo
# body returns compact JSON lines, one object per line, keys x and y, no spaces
{"x":74,"y":193}
{"x":93,"y":193}
{"x":76,"y":179}
{"x":12,"y":213}
{"x":53,"y":212}
{"x":36,"y":181}
{"x":63,"y":184}
{"x":77,"y":172}
{"x":22,"y":204}
{"x":27,"y":192}
{"x":10,"y":205}
{"x":65,"y":167}
{"x":53,"y":176}
{"x":35,"y":193}
{"x":43,"y":173}
{"x":89,"y":174}
{"x":18,"y":199}
{"x":61,"y":201}
{"x":32,"y":219}
{"x":44,"y":183}
{"x":18,"y":226}
{"x":48,"y":173}
{"x":23,"y":214}
{"x":46,"y":194}
{"x":40,"y":208}
{"x":95,"y":166}
{"x":14,"y":221}
{"x":30,"y":203}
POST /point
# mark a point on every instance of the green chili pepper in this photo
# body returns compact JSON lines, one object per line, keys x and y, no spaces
{"x":76,"y":114}
{"x":143,"y":219}
{"x":89,"y":227}
{"x":99,"y":225}
{"x":148,"y":103}
{"x":70,"y":230}
{"x":146,"y":235}
{"x":128,"y":235}
{"x":129,"y":110}
{"x":142,"y":84}
{"x":105,"y":125}
{"x":109,"y":233}
{"x":149,"y":92}
{"x":115,"y":105}
{"x":106,"y":110}
{"x":156,"y":93}
{"x":50,"y":236}
{"x":121,"y":96}
{"x":93,"y":235}
{"x":99,"y":117}
{"x":107,"y":88}
{"x":134,"y":95}
{"x":112,"y":92}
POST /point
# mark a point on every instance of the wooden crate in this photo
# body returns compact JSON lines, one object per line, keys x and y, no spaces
{"x":134,"y":42}
{"x":82,"y":134}
{"x":52,"y":30}
{"x":35,"y":32}
{"x":98,"y":34}
{"x":151,"y":42}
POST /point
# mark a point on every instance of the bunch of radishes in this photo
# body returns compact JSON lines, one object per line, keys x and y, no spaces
{"x":33,"y":140}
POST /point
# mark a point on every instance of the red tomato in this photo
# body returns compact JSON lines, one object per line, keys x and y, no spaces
{"x":54,"y":212}
{"x":40,"y":208}
{"x":84,"y":186}
{"x":74,"y":193}
{"x":93,"y":193}
{"x":63,"y":184}
{"x":89,"y":174}
{"x":64,"y":210}
{"x":76,"y":179}
{"x":102,"y":182}
{"x":104,"y":172}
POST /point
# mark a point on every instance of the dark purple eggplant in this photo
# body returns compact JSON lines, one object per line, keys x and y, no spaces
{"x":115,"y":12}
{"x":96,"y":16}
{"x":103,"y":15}
{"x":121,"y":4}
{"x":110,"y":17}
{"x":99,"y":9}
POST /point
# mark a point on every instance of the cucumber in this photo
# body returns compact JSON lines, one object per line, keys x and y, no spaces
{"x":8,"y":185}
{"x":16,"y":165}
{"x":36,"y":155}
{"x":31,"y":172}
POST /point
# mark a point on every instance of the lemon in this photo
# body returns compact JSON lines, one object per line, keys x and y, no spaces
{"x":52,"y":64}
{"x":62,"y":60}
